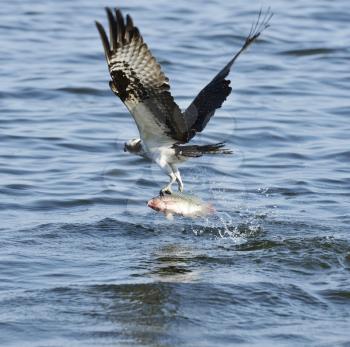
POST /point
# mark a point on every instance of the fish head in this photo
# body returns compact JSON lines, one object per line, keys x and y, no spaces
{"x":157,"y":204}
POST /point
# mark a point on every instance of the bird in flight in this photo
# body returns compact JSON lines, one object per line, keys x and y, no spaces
{"x":137,"y":79}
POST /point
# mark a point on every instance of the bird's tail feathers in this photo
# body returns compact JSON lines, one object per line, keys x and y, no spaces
{"x":197,"y":151}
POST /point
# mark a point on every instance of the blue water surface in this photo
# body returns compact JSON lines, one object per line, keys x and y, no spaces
{"x":84,"y":261}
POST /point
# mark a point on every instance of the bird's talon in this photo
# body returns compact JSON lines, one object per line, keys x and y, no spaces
{"x":165,"y":191}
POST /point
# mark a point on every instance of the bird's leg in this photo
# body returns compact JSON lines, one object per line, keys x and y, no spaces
{"x":167,"y":188}
{"x":178,"y":178}
{"x":169,"y":171}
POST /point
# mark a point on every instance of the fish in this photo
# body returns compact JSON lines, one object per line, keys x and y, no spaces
{"x":180,"y":204}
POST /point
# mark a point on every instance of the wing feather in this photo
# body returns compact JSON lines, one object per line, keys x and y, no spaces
{"x":212,"y":96}
{"x":137,"y":79}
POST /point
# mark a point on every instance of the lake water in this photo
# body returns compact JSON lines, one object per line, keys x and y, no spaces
{"x":84,"y":262}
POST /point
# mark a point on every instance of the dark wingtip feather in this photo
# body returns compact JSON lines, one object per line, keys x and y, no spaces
{"x":113,"y":29}
{"x":129,"y":29}
{"x":261,"y":24}
{"x":137,"y":34}
{"x":121,"y":29}
{"x":129,"y":22}
{"x":104,"y":39}
{"x":119,"y":16}
{"x":120,"y":24}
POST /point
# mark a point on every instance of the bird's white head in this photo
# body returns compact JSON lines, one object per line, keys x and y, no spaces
{"x":133,"y":146}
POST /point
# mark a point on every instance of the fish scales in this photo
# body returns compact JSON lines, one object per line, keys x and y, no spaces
{"x":180,"y":204}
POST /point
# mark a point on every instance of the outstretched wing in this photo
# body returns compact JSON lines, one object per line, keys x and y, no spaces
{"x":212,"y":96}
{"x":137,"y":79}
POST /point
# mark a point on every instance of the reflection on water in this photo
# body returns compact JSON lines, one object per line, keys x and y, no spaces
{"x":172,"y":264}
{"x":140,"y":312}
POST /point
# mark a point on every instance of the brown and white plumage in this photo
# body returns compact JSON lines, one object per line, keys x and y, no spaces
{"x":137,"y":79}
{"x":140,"y":83}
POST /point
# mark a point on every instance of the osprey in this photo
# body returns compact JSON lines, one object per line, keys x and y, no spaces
{"x":137,"y":79}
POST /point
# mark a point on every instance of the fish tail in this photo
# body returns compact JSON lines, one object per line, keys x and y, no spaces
{"x":210,"y":209}
{"x":198,"y":151}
